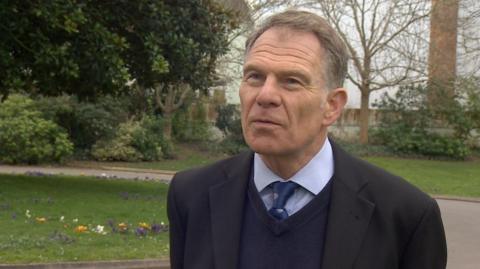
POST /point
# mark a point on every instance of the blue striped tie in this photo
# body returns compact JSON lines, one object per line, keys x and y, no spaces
{"x":281,"y":193}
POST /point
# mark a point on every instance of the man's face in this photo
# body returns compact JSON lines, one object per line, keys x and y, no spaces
{"x":282,"y":94}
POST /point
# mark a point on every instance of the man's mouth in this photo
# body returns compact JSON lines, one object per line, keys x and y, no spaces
{"x":265,"y":122}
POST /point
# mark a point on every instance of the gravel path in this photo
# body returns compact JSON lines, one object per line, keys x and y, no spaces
{"x":111,"y":172}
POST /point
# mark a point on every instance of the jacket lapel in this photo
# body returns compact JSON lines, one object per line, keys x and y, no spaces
{"x":349,"y":214}
{"x":227,"y":201}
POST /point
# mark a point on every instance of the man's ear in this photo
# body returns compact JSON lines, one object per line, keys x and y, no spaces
{"x":336,"y":100}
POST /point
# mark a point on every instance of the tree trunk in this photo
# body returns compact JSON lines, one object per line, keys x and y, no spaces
{"x":167,"y":126}
{"x":167,"y":106}
{"x":168,"y":99}
{"x":364,"y":112}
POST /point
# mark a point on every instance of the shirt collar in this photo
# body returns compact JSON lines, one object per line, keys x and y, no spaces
{"x":313,"y":176}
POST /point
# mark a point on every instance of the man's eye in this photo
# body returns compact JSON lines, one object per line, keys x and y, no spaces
{"x":292,"y":81}
{"x":253,"y":77}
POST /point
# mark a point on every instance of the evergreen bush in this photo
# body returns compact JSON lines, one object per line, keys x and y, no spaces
{"x":134,"y":141}
{"x":412,"y":125}
{"x":148,"y":139}
{"x":85,"y":122}
{"x":191,"y":124}
{"x":120,"y":148}
{"x":25,"y":137}
{"x":95,"y":121}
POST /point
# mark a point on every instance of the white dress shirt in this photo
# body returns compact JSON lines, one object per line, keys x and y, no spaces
{"x":312,"y":178}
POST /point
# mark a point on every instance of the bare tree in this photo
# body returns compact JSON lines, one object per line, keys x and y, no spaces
{"x":385,"y":42}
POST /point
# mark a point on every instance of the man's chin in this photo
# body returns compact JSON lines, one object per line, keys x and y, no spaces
{"x":266,"y":149}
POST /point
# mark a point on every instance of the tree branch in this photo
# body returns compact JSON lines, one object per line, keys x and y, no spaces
{"x":185,"y":89}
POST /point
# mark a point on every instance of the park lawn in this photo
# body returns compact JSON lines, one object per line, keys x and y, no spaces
{"x":26,"y":238}
{"x":39,"y":214}
{"x":449,"y":178}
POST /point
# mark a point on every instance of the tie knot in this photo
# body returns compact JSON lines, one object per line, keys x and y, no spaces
{"x":282,"y":192}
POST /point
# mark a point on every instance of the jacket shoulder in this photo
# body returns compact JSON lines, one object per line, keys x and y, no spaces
{"x":378,"y":185}
{"x":392,"y":187}
{"x":198,"y":180}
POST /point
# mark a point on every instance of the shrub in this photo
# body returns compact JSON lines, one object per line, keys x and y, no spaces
{"x":180,"y":123}
{"x":97,"y":121}
{"x":191,"y":124}
{"x":60,"y":109}
{"x":85,"y":122}
{"x":411,"y":125}
{"x":92,"y":123}
{"x":25,"y":137}
{"x":17,"y":105}
{"x":148,"y":139}
{"x":120,"y":148}
{"x":228,"y":121}
{"x":134,"y":141}
{"x":470,"y":98}
{"x":232,"y":146}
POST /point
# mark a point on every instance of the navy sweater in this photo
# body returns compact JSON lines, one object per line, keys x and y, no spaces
{"x":296,"y":242}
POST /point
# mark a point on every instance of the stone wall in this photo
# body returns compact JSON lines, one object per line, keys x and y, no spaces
{"x":347,"y":127}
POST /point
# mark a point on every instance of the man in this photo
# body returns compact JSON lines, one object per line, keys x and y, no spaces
{"x":298,"y":200}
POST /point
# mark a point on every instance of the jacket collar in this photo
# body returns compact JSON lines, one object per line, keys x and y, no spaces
{"x":349,"y":214}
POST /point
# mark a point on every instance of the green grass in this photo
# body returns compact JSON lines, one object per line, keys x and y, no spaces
{"x":92,"y":202}
{"x":451,"y":178}
{"x":187,"y":156}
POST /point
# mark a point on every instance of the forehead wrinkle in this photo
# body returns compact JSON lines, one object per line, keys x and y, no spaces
{"x":282,"y":56}
{"x":299,"y":65}
{"x":308,"y":51}
{"x":310,"y":54}
{"x":278,"y":41}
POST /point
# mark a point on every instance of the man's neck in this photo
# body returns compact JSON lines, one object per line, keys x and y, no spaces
{"x":285,"y":166}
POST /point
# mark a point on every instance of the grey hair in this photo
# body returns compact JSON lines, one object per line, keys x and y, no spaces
{"x":336,"y":54}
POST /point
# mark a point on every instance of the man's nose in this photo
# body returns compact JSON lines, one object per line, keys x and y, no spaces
{"x":268,"y":96}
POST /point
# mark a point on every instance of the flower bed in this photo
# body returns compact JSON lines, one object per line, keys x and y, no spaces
{"x":56,"y":218}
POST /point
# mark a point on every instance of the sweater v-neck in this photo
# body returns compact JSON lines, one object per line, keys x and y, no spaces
{"x":278,"y":227}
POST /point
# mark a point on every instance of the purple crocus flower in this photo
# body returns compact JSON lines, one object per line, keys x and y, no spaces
{"x":156,"y":228}
{"x":140,"y":231}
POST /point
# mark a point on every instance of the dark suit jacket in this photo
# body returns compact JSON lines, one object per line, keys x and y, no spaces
{"x":376,"y":220}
